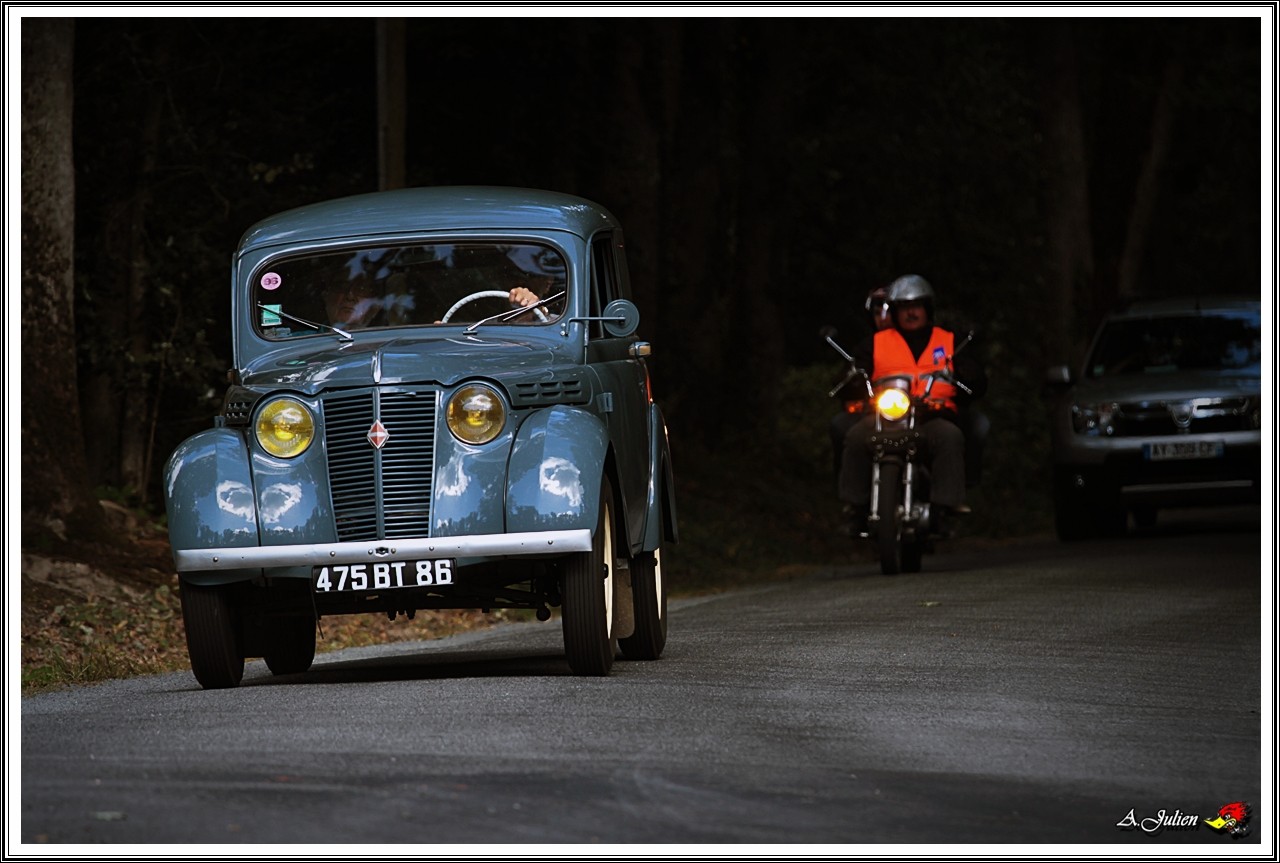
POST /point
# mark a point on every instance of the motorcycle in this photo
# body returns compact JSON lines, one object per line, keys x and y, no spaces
{"x":900,"y":520}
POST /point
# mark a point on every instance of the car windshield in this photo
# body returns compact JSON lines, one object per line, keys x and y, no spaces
{"x":398,"y":286}
{"x":1225,"y":342}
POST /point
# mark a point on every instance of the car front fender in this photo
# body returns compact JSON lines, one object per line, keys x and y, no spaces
{"x":209,"y":497}
{"x":557,"y":462}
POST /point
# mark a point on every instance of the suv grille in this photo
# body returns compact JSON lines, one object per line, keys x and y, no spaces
{"x":381,"y":493}
{"x":1190,"y":416}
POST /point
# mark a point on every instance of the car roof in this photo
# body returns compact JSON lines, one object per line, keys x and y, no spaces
{"x":439,"y":208}
{"x":1181,"y":306}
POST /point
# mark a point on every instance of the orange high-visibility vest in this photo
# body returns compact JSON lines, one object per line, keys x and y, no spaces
{"x":893,"y":357}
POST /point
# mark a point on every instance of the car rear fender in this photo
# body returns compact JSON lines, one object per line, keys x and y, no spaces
{"x":553,"y":478}
{"x":660,"y":514}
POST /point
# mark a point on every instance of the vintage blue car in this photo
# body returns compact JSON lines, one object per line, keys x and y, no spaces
{"x":439,"y":401}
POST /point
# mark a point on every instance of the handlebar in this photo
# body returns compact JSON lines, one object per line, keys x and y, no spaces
{"x":947,"y":375}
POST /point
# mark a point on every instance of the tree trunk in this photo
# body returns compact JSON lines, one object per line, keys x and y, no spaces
{"x":1144,"y":196}
{"x":120,"y":390}
{"x":1070,"y":278}
{"x":761,"y":196}
{"x":696,"y":283}
{"x":391,"y":103}
{"x":56,"y":497}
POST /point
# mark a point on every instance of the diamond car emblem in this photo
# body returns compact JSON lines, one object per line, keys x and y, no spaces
{"x":378,"y":434}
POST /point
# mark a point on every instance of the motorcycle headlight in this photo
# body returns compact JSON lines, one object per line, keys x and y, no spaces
{"x":1094,"y":419}
{"x":893,"y":404}
{"x":285,"y":427}
{"x":475,"y":414}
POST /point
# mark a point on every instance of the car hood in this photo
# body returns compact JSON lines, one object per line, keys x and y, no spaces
{"x":401,"y":360}
{"x":1165,"y":387}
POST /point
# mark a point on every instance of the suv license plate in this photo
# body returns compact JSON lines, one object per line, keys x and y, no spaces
{"x":355,"y":577}
{"x":1175,"y":451}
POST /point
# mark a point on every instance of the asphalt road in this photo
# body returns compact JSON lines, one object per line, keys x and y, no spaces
{"x":1026,"y":694}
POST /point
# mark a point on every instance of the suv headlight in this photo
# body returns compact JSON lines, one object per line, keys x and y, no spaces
{"x":285,"y":427}
{"x":1094,"y":419}
{"x":475,"y":414}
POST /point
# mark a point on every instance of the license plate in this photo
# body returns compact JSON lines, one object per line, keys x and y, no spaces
{"x":1176,"y":450}
{"x":356,"y":577}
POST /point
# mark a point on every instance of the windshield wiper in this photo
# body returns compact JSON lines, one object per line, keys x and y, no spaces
{"x":343,"y":333}
{"x":513,"y":313}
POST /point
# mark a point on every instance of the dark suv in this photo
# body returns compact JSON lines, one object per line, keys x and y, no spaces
{"x":1165,"y":412}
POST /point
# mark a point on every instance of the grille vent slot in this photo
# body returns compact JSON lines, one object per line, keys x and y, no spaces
{"x":538,"y":393}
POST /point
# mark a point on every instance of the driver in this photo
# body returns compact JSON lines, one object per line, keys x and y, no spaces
{"x":522,"y":296}
{"x":915,"y":346}
{"x":353,"y":304}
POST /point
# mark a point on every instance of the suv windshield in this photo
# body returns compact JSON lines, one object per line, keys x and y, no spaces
{"x":1228,"y":342}
{"x":418,"y":285}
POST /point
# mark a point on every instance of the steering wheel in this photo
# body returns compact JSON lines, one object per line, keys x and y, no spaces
{"x":480,"y":295}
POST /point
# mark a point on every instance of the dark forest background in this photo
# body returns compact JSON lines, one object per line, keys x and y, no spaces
{"x":768,"y":171}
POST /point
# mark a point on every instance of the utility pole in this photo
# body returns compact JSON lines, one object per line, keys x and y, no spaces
{"x":391,"y":103}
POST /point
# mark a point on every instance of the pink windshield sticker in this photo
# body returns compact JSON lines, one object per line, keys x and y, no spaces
{"x":270,"y":281}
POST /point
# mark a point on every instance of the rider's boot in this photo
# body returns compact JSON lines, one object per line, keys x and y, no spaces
{"x":857,"y":524}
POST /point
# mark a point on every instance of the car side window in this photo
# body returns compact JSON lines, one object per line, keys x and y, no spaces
{"x":604,"y":280}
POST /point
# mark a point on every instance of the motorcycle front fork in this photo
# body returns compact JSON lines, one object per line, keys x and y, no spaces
{"x":908,"y":502}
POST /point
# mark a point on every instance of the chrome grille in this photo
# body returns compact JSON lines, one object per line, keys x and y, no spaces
{"x":1189,"y":416}
{"x":381,"y":493}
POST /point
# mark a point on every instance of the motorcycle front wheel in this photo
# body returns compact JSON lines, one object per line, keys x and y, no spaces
{"x":888,"y":531}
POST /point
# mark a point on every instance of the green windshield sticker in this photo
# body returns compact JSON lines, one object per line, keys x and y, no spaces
{"x":271,"y":315}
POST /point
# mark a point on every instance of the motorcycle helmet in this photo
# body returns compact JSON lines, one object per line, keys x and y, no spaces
{"x":912,"y":288}
{"x":877,"y":307}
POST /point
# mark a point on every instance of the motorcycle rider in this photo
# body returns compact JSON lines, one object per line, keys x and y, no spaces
{"x":916,"y":346}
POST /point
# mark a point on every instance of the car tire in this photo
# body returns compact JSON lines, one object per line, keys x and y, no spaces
{"x":1112,"y":520}
{"x":649,"y":597}
{"x":1072,"y":519}
{"x":587,"y":596}
{"x":213,"y":636}
{"x":887,"y":539}
{"x":293,"y":645}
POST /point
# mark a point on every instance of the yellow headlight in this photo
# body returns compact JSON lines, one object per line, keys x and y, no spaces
{"x":475,"y":414}
{"x":285,"y":428}
{"x":893,"y":404}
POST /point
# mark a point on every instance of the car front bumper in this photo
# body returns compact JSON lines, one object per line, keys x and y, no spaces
{"x":487,"y":546}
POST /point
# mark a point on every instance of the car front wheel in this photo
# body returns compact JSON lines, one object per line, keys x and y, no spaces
{"x":213,"y":636}
{"x":588,"y":598}
{"x":293,"y":645}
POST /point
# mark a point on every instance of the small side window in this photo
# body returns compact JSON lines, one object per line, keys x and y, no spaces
{"x":604,"y":280}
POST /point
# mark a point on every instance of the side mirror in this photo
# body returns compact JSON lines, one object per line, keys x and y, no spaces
{"x":1058,"y":376}
{"x":621,"y":318}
